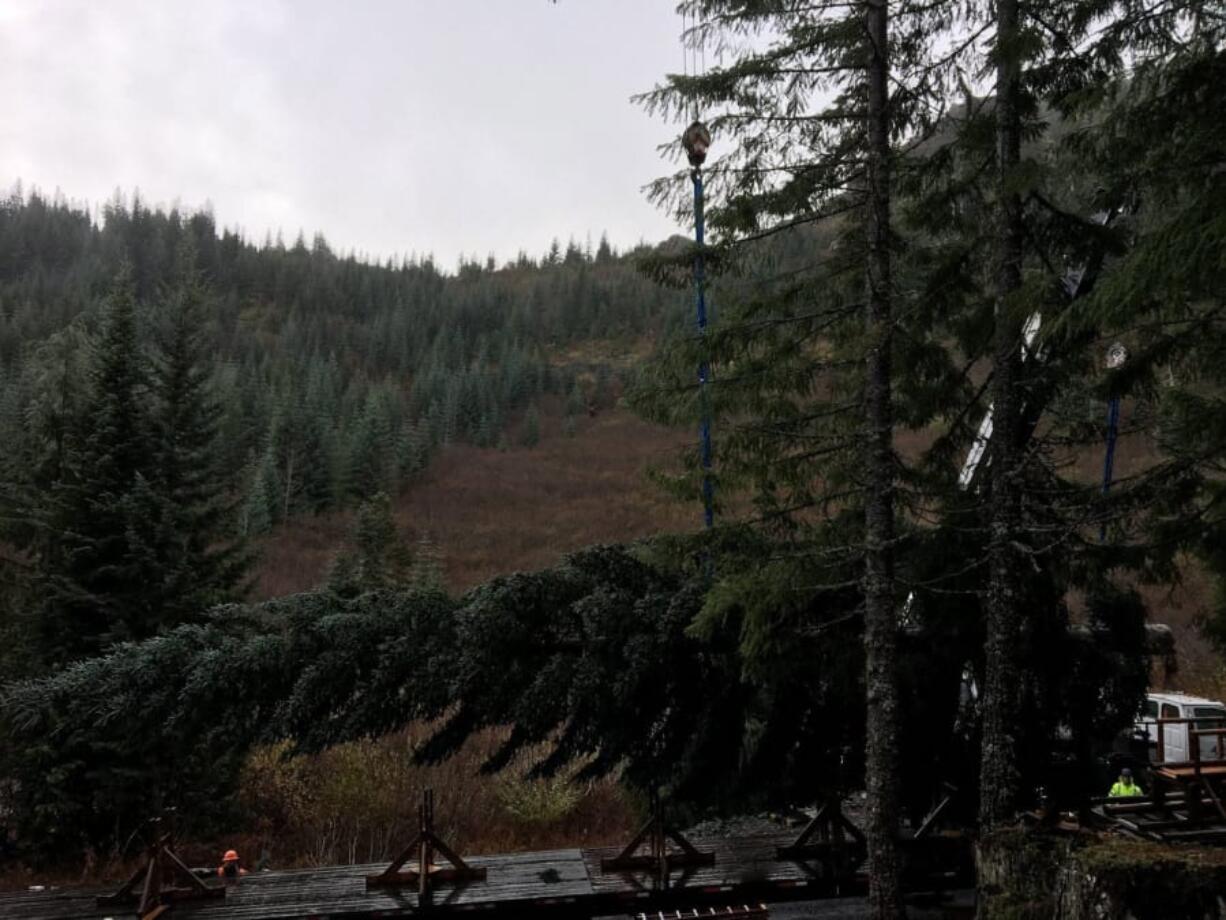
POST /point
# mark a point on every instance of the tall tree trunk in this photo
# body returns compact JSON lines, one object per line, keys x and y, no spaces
{"x":998,"y":776}
{"x":880,"y":622}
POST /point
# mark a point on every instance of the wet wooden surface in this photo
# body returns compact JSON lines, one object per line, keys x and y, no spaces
{"x":561,"y":881}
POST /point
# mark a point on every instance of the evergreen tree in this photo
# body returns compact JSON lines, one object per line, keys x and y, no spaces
{"x":98,"y":568}
{"x":1152,"y":138}
{"x":580,"y":659}
{"x":532,"y":428}
{"x":372,"y":455}
{"x":377,"y":558}
{"x":427,"y":569}
{"x":1002,"y":698}
{"x":47,"y":411}
{"x":262,"y":506}
{"x":485,"y":432}
{"x":807,"y":419}
{"x":604,"y":252}
{"x":18,"y":629}
{"x":882,"y":725}
{"x":576,"y":401}
{"x":199,"y":564}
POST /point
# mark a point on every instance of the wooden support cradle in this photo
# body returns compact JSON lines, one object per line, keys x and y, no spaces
{"x":163,"y":880}
{"x":831,"y":839}
{"x":659,"y":858}
{"x":424,"y":873}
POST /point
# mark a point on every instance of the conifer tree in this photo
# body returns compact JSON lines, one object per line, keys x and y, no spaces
{"x":806,"y":420}
{"x":377,"y":558}
{"x":47,"y":414}
{"x":371,"y":459}
{"x":882,"y":726}
{"x":1150,"y":140}
{"x":576,"y":401}
{"x":261,"y":507}
{"x":532,"y":427}
{"x":1001,"y":698}
{"x":427,"y":568}
{"x":199,"y":563}
{"x":485,"y":432}
{"x":1048,"y":269}
{"x":100,"y":561}
{"x":604,"y":252}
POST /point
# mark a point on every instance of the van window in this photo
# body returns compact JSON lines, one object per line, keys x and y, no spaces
{"x":1208,"y":712}
{"x":1151,"y":709}
{"x":1170,"y":711}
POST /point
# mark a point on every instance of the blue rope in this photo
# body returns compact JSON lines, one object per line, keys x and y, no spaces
{"x":1113,"y":427}
{"x":708,"y":488}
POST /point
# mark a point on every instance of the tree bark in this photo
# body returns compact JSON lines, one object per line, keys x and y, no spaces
{"x":880,"y":621}
{"x":998,"y":775}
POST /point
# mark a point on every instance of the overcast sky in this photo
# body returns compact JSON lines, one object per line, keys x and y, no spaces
{"x":391,"y":126}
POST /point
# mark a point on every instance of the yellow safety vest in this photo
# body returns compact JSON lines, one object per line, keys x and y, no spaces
{"x":1123,"y":789}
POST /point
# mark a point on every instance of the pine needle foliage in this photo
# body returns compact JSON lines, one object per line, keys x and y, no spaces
{"x":200,"y":562}
{"x":378,"y":558}
{"x":94,"y":573}
{"x":116,"y":498}
{"x":594,"y":660}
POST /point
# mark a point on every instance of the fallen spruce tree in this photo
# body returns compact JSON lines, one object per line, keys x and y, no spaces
{"x":617,"y":660}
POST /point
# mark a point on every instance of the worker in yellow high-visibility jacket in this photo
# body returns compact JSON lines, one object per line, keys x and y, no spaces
{"x":1124,"y":786}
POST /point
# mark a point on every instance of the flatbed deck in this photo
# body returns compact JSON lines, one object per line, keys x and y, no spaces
{"x":561,"y":883}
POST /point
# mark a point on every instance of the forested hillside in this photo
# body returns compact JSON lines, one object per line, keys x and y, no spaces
{"x":336,"y":377}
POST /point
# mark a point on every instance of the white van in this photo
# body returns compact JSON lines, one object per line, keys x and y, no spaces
{"x":1175,"y":747}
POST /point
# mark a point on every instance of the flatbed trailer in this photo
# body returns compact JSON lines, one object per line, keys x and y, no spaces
{"x":553,"y":883}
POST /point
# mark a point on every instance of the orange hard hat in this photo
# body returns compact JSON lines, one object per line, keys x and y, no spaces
{"x":231,"y":856}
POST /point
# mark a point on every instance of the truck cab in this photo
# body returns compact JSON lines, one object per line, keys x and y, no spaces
{"x":1170,"y":742}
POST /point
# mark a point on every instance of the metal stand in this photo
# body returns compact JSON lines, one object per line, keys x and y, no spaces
{"x":425,"y":872}
{"x":659,"y":858}
{"x":164,"y":880}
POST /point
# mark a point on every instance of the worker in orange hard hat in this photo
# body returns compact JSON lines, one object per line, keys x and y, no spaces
{"x":230,"y":867}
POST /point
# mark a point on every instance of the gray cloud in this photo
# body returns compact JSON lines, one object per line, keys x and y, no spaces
{"x":444,"y":126}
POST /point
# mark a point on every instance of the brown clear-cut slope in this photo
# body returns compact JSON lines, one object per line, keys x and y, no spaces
{"x":490,"y":512}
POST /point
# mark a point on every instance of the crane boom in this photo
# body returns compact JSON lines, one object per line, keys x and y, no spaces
{"x":1076,"y":283}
